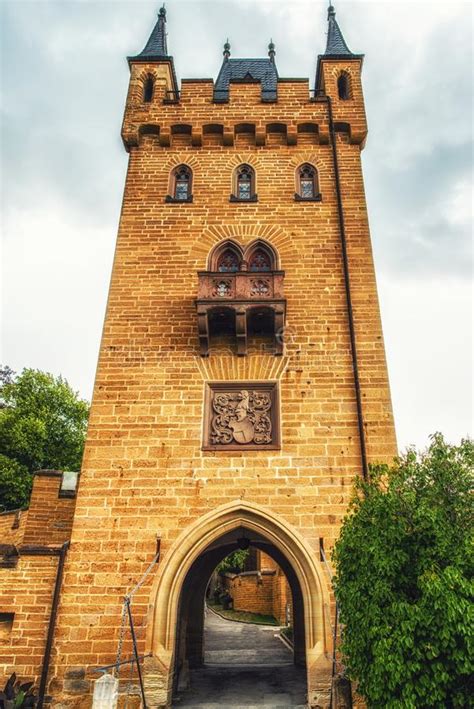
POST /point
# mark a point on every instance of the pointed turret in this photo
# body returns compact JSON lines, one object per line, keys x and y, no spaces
{"x":336,"y":45}
{"x":156,"y":45}
{"x":159,"y":65}
{"x":338,"y":77}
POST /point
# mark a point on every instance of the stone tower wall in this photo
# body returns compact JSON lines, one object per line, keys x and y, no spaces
{"x":144,"y":473}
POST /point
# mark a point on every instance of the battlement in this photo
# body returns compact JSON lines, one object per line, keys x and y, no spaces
{"x":194,"y":117}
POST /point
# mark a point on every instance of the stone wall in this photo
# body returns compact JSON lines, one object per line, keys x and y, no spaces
{"x":12,"y":526}
{"x":264,"y":590}
{"x":30,"y":541}
{"x":50,"y":513}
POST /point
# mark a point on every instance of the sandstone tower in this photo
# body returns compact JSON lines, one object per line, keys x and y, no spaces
{"x":242,"y":381}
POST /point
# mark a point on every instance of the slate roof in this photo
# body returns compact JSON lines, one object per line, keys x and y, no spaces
{"x":336,"y":44}
{"x":258,"y":70}
{"x":156,"y":46}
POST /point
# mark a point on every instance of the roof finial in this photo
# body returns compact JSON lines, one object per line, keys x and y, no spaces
{"x":331,"y":10}
{"x":162,"y":12}
{"x":271,"y":51}
{"x":226,"y":51}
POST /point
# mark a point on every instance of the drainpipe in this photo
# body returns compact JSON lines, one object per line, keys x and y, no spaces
{"x":347,"y":285}
{"x":52,"y":624}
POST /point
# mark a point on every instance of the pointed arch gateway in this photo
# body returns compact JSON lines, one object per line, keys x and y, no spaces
{"x":179,"y":591}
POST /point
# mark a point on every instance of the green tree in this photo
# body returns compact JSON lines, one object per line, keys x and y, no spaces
{"x":42,"y":425}
{"x":404,"y":580}
{"x":233,"y":562}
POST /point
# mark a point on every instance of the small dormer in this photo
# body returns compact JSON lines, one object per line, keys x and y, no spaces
{"x":240,"y":296}
{"x":247,"y":71}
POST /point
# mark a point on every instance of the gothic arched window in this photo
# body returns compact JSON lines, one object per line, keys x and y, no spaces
{"x":344,"y":86}
{"x":226,"y":257}
{"x":228,"y":261}
{"x":182,"y":183}
{"x":307,"y":183}
{"x":244,"y":184}
{"x":148,"y":89}
{"x":260,"y":260}
{"x":307,"y":178}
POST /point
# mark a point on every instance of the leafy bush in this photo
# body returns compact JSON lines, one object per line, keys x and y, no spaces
{"x":233,"y":563}
{"x":16,"y":695}
{"x":42,"y":425}
{"x":404,"y":581}
{"x":15,"y":484}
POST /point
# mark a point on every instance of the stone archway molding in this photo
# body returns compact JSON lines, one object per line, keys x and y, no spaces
{"x":196,"y":538}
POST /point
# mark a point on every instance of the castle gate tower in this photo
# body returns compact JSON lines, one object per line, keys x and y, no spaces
{"x":242,"y":383}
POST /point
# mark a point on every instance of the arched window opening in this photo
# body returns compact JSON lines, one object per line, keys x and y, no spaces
{"x":307,"y":183}
{"x":260,"y":261}
{"x":228,"y":261}
{"x":307,"y":179}
{"x":244,"y":187}
{"x":244,"y":182}
{"x":148,"y":89}
{"x":344,"y":87}
{"x":226,"y":257}
{"x":182,"y":183}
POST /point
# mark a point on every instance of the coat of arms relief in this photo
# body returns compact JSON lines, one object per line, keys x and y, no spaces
{"x":240,"y":416}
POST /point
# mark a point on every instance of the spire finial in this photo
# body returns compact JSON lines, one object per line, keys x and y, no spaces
{"x":331,"y":11}
{"x":162,"y":12}
{"x":271,"y":50}
{"x":226,"y":51}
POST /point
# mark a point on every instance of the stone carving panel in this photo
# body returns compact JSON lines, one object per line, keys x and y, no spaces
{"x":241,"y":415}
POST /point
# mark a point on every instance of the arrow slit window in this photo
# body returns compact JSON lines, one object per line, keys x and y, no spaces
{"x":148,"y":89}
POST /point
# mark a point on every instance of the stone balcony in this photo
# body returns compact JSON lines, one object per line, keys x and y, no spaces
{"x":241,"y":303}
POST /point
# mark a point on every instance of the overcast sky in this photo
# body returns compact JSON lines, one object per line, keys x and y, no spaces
{"x":63,"y":83}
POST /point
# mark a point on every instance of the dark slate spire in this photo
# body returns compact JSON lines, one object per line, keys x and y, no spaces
{"x":156,"y":50}
{"x":336,"y":48}
{"x":336,"y":45}
{"x":156,"y":45}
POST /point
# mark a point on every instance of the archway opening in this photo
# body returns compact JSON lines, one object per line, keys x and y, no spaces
{"x":220,"y":656}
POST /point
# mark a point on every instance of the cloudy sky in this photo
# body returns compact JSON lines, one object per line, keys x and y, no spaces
{"x":63,"y":85}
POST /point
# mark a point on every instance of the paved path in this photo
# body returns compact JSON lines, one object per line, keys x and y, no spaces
{"x":246,"y":666}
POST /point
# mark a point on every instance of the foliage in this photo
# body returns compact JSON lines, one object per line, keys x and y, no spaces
{"x":42,"y":425}
{"x":15,"y":483}
{"x":16,"y":695}
{"x":404,"y":580}
{"x":233,"y":563}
